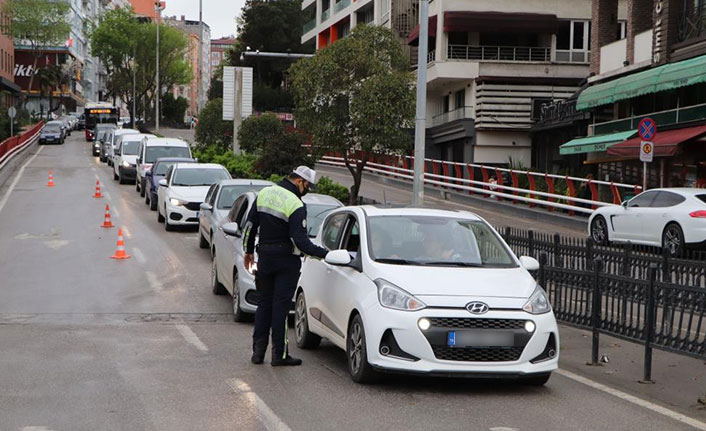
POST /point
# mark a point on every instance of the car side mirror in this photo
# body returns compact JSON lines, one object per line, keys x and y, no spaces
{"x":205,"y":206}
{"x":624,"y":204}
{"x":529,"y":263}
{"x":163,"y":182}
{"x":338,"y":257}
{"x":231,"y":228}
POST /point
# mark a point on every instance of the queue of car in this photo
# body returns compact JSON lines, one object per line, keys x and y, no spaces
{"x":409,"y":290}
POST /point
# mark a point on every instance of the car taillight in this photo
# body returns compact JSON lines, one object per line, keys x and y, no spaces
{"x":698,"y":214}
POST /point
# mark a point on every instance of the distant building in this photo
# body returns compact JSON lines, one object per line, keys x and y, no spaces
{"x":219,"y":47}
{"x":144,"y":8}
{"x":9,"y":91}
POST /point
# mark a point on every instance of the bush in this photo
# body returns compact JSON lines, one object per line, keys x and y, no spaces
{"x":212,"y":130}
{"x":326,"y":186}
{"x":174,"y":109}
{"x":241,"y":166}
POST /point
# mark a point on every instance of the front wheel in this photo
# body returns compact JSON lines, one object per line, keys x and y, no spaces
{"x":167,"y":226}
{"x":599,"y":231}
{"x":153,"y":203}
{"x":238,"y":314}
{"x":673,"y":240}
{"x":305,"y":338}
{"x":216,"y":286}
{"x":202,"y":241}
{"x":356,"y":350}
{"x":160,"y":217}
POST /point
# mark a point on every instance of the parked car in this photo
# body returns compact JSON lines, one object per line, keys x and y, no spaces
{"x":66,"y":125}
{"x":182,"y":191}
{"x":218,"y":202}
{"x":81,"y":122}
{"x":113,"y":138}
{"x":671,"y":218}
{"x":51,"y":134}
{"x":100,"y":134}
{"x":227,"y":271}
{"x":152,"y":149}
{"x":425,"y":291}
{"x":158,"y":171}
{"x":125,"y":156}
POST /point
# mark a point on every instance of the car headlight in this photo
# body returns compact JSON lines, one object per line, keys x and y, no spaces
{"x":176,"y":202}
{"x":538,"y":303}
{"x":391,"y":296}
{"x":126,"y":164}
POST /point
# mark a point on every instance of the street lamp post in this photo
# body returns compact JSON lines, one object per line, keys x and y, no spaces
{"x":420,"y":116}
{"x":158,"y":9}
{"x":134,"y":85}
{"x":200,"y":68}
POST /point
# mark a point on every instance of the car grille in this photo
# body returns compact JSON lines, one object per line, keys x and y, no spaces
{"x":473,"y":354}
{"x":193,"y":206}
{"x":471,"y":322}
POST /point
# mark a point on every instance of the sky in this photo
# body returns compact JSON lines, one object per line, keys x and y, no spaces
{"x":218,"y":14}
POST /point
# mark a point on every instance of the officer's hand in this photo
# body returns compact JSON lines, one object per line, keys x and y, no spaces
{"x":248,"y":261}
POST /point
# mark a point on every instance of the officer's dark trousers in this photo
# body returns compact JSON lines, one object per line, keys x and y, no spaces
{"x":277,"y":277}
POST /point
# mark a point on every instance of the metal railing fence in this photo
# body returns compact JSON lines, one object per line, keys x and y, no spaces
{"x":16,"y":143}
{"x":499,"y":53}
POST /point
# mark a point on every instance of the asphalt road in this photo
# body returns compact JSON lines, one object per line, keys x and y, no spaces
{"x":92,"y":343}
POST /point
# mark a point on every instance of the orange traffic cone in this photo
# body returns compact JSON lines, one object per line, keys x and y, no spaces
{"x":106,"y":220}
{"x":98,"y":190}
{"x":51,"y":179}
{"x":120,"y":252}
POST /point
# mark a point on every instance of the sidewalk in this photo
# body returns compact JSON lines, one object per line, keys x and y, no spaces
{"x":679,"y":380}
{"x":185,"y":134}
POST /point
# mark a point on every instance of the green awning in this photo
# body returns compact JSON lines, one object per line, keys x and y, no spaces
{"x":662,"y":78}
{"x":592,"y":144}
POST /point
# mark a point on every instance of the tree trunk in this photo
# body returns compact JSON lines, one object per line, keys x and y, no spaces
{"x":23,"y":96}
{"x":355,"y":167}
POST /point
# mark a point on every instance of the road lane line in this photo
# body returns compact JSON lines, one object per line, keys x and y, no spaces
{"x":17,"y":179}
{"x":115,"y":212}
{"x":126,"y":232}
{"x":152,"y":279}
{"x":138,"y":255}
{"x":635,"y":400}
{"x":269,"y":419}
{"x":107,"y":195}
{"x":191,"y":338}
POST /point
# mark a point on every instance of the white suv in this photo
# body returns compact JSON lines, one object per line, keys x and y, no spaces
{"x":182,"y":191}
{"x":152,"y":149}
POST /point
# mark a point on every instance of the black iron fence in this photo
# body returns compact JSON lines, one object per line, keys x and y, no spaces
{"x":628,"y":292}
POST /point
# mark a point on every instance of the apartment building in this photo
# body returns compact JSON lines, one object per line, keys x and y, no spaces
{"x":219,"y":47}
{"x":144,"y":8}
{"x":658,"y":71}
{"x":9,"y":91}
{"x":196,"y":92}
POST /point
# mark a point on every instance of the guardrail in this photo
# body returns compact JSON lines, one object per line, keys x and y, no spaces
{"x":456,"y":114}
{"x":532,"y":188}
{"x":14,"y":144}
{"x":626,"y":292}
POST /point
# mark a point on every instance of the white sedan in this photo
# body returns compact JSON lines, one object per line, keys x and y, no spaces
{"x":428,"y":292}
{"x":674,"y":219}
{"x":182,"y":191}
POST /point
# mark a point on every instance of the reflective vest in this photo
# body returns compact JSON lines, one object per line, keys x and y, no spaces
{"x":278,"y":202}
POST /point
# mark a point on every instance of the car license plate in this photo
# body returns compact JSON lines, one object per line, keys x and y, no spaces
{"x":197,"y":213}
{"x":480,"y":339}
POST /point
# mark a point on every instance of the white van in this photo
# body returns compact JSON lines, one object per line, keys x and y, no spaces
{"x":152,"y":149}
{"x":125,"y":156}
{"x":112,"y":141}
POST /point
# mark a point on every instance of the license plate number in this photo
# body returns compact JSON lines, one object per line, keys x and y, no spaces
{"x":480,"y":339}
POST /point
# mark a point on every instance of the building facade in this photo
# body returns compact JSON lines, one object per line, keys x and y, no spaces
{"x":658,"y":71}
{"x":144,"y":8}
{"x":8,"y":89}
{"x":219,"y":47}
{"x":196,"y":92}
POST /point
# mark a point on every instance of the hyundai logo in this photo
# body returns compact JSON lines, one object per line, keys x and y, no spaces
{"x":477,"y":307}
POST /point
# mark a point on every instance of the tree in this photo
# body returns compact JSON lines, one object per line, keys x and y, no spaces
{"x":174,"y":109}
{"x":212,"y":130}
{"x":356,"y":96}
{"x":43,"y":23}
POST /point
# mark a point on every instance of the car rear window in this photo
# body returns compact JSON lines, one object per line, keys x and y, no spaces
{"x":702,"y":198}
{"x":154,"y":153}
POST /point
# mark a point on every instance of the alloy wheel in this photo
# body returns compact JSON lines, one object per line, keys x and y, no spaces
{"x":599,"y":230}
{"x":355,"y":348}
{"x":672,"y":240}
{"x":300,"y":318}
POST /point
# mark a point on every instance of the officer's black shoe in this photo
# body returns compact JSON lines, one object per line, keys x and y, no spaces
{"x":287,"y":361}
{"x":258,"y":352}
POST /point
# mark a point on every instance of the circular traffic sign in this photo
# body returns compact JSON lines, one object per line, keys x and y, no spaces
{"x":647,"y":148}
{"x":647,"y":129}
{"x":11,"y":112}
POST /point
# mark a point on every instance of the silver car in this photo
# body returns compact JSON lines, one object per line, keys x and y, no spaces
{"x":227,"y":271}
{"x":219,"y":200}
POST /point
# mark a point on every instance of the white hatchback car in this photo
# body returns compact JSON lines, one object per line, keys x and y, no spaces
{"x":228,"y":250}
{"x":425,"y":291}
{"x":673,"y":218}
{"x":182,"y":191}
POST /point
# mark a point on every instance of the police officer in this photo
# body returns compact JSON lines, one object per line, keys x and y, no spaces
{"x":280,"y":216}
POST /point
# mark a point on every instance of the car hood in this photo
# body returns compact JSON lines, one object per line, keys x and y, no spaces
{"x":130,"y":158}
{"x":191,"y":194}
{"x":442,"y":281}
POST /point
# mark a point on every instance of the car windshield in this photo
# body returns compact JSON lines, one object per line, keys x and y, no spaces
{"x":52,"y":129}
{"x":154,"y":153}
{"x":315,"y":214}
{"x":161,"y":167}
{"x":198,"y":176}
{"x":101,"y":135}
{"x":436,"y":241}
{"x":130,"y":148}
{"x":230,"y":193}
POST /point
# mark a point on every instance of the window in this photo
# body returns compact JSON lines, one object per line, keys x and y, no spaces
{"x":667,"y":199}
{"x":230,"y":193}
{"x":574,"y":36}
{"x":168,"y":177}
{"x":460,"y":99}
{"x":578,"y":30}
{"x":445,"y":104}
{"x":241,"y":214}
{"x":621,"y":32}
{"x":351,"y":237}
{"x":332,"y":230}
{"x":211,"y":195}
{"x":235,"y":210}
{"x":643,"y":200}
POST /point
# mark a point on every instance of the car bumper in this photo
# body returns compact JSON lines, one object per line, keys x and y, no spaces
{"x":49,"y":140}
{"x":415,"y":343}
{"x":180,"y":215}
{"x":127,"y":173}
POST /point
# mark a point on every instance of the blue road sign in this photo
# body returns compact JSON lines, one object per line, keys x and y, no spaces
{"x":647,"y":129}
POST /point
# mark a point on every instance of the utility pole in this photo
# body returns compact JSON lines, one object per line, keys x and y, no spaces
{"x":421,"y":116}
{"x":237,"y":108}
{"x":157,"y":8}
{"x":134,"y":85}
{"x":200,"y":70}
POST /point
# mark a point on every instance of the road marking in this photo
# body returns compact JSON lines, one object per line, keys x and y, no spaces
{"x":138,"y":255}
{"x":503,"y":429}
{"x":264,"y":413}
{"x":126,"y":232}
{"x":191,"y":338}
{"x":153,"y":280}
{"x":635,"y":400}
{"x":115,"y":212}
{"x":17,"y":179}
{"x":107,"y":195}
{"x":35,"y":428}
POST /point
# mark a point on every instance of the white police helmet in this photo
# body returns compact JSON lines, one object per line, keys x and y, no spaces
{"x":306,"y":173}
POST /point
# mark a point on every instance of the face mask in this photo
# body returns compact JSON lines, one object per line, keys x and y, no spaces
{"x":306,"y":190}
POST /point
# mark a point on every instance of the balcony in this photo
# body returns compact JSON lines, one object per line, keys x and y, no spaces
{"x":342,"y":5}
{"x":307,"y":27}
{"x":499,"y":53}
{"x":325,"y":15}
{"x":663,"y":118}
{"x":456,"y":114}
{"x":569,"y":56}
{"x":431,"y":56}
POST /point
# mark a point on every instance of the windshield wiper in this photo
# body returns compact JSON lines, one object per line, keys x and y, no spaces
{"x":451,"y":263}
{"x":396,"y":261}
